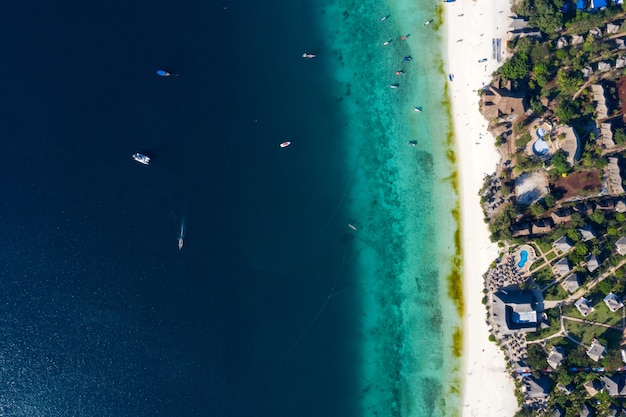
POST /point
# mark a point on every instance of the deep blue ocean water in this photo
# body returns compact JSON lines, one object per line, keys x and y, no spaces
{"x":100,"y":314}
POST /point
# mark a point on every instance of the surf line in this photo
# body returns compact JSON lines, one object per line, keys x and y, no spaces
{"x":319,"y":312}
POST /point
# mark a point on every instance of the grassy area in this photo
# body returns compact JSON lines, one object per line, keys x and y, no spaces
{"x":543,"y":277}
{"x":555,"y":292}
{"x":537,"y":264}
{"x":523,"y":140}
{"x":544,"y":246}
{"x":551,"y":256}
{"x":586,"y":332}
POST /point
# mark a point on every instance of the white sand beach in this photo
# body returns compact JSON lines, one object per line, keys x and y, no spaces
{"x":470,"y":28}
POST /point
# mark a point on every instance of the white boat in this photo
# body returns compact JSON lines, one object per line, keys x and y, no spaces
{"x":141,"y":158}
{"x":428,"y":22}
{"x":387,"y":42}
{"x":417,"y":109}
{"x":382,"y":19}
{"x":285,"y":144}
{"x":394,"y":85}
{"x":181,"y":236}
{"x":308,"y":56}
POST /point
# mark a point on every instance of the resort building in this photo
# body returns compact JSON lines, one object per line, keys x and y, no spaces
{"x":541,"y":226}
{"x":620,"y":206}
{"x":555,"y":357}
{"x":500,"y":99}
{"x":604,"y":66}
{"x":615,"y":386}
{"x":514,"y":311}
{"x":520,"y":229}
{"x":557,"y":412}
{"x":585,"y":208}
{"x":562,"y":244}
{"x":562,"y":267}
{"x":586,"y":411}
{"x":571,"y":284}
{"x":620,"y":246}
{"x":570,"y":143}
{"x":596,"y":351}
{"x":605,"y":204}
{"x":613,"y":177}
{"x":586,"y":233}
{"x":592,"y":263}
{"x":605,"y":138}
{"x":583,"y":306}
{"x":612,"y":28}
{"x":561,"y":216}
{"x":536,"y":388}
{"x":592,"y":387}
{"x":613,"y":302}
{"x":602,"y":111}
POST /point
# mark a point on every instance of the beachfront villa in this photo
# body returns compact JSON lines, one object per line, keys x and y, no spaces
{"x":592,"y":263}
{"x":562,"y":244}
{"x":613,"y":302}
{"x":592,"y":387}
{"x":602,"y":111}
{"x":586,"y":233}
{"x":596,"y":351}
{"x":555,"y":357}
{"x":536,"y":388}
{"x":620,"y":246}
{"x":514,"y":311}
{"x":500,"y":99}
{"x":571,"y":284}
{"x":562,"y":267}
{"x":583,"y":306}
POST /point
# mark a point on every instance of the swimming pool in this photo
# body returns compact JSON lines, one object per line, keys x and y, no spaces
{"x":523,"y":258}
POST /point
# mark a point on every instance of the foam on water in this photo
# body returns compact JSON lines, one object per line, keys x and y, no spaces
{"x":403,"y":200}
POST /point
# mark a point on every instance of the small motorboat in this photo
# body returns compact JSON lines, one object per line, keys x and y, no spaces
{"x":481,"y":60}
{"x":407,"y":58}
{"x":451,"y":77}
{"x":387,"y":42}
{"x":400,"y":72}
{"x":163,"y":73}
{"x":285,"y":144}
{"x":181,"y":236}
{"x":308,"y":56}
{"x":141,"y":158}
{"x":351,"y":226}
{"x":382,"y":19}
{"x":394,"y":85}
{"x":417,"y":109}
{"x":428,"y":22}
{"x":405,"y":36}
{"x":412,"y":142}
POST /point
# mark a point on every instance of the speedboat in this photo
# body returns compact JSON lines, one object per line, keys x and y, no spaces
{"x":285,"y":144}
{"x":407,"y":58}
{"x":163,"y":73}
{"x":141,"y":158}
{"x":181,"y":236}
{"x":394,"y":85}
{"x":387,"y":42}
{"x":399,"y":72}
{"x":308,"y":56}
{"x":417,"y":109}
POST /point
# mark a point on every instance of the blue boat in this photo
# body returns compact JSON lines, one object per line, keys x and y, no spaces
{"x":449,"y":1}
{"x":163,"y":73}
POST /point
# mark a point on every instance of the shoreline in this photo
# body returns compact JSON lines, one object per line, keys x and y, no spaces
{"x":488,"y":388}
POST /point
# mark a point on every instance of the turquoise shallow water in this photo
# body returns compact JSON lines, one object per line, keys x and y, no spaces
{"x":402,"y":199}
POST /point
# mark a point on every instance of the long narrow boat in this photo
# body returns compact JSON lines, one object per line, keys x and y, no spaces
{"x":163,"y":73}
